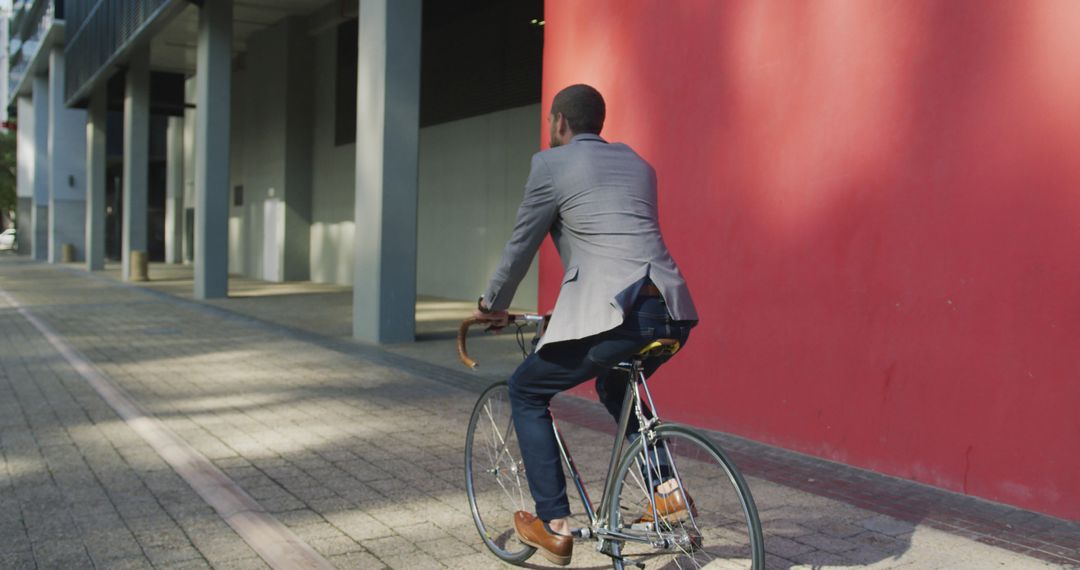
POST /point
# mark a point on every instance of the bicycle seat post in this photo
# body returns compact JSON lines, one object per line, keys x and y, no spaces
{"x":639,"y":384}
{"x":664,"y":347}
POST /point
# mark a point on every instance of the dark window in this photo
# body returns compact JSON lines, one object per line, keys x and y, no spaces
{"x":478,"y":57}
{"x":238,"y":195}
{"x":345,"y":92}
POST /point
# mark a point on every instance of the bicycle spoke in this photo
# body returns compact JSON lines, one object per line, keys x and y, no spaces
{"x":506,"y":491}
{"x":718,"y":530}
{"x":495,"y":430}
{"x":638,"y":479}
{"x":681,"y":487}
{"x":503,"y":449}
{"x":493,"y":475}
{"x":521,"y":490}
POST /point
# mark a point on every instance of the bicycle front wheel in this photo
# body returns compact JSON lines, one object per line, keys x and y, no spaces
{"x":495,"y":475}
{"x":720,"y":529}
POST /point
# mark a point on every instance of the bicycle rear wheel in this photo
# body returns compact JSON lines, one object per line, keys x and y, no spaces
{"x":721,"y":530}
{"x":495,"y":475}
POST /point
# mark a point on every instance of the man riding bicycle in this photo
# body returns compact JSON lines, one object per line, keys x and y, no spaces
{"x":621,"y":290}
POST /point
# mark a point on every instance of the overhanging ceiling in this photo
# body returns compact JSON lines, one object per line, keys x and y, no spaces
{"x":174,"y":48}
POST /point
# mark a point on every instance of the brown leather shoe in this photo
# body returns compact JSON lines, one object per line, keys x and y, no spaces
{"x":670,"y":506}
{"x":555,"y":547}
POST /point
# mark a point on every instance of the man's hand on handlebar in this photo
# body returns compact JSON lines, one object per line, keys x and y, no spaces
{"x":495,"y":320}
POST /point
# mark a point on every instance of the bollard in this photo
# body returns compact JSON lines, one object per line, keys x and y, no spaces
{"x":139,"y":266}
{"x":67,"y":253}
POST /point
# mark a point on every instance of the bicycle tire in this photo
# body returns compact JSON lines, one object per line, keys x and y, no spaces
{"x":494,"y":475}
{"x":719,"y":530}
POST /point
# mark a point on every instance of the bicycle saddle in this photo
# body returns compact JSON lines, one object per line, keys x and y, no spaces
{"x":661,"y":347}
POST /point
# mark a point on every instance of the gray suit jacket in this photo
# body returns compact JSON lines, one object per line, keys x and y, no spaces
{"x":598,"y":201}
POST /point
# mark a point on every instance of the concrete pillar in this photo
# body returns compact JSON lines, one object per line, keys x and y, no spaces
{"x":299,"y":118}
{"x":136,"y":157}
{"x":387,"y":137}
{"x":274,"y":162}
{"x":67,"y":166}
{"x":96,"y":119}
{"x":187,"y":244}
{"x":24,"y":173}
{"x":174,"y":190}
{"x":39,"y":244}
{"x":213,"y":94}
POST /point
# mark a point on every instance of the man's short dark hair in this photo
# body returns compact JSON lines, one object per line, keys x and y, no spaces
{"x":582,"y":106}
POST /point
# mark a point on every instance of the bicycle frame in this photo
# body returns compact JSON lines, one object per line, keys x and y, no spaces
{"x":632,"y":404}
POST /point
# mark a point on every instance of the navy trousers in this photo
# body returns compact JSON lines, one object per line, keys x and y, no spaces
{"x":563,"y":365}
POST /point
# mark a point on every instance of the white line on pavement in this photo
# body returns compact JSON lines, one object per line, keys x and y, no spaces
{"x":273,"y":541}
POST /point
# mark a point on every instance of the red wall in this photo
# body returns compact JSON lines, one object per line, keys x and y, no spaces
{"x":877,"y":206}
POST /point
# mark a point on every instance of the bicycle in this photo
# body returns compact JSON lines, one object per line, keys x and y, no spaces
{"x":721,"y":528}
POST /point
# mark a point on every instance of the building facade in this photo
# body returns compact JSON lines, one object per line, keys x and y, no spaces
{"x":51,"y":168}
{"x":282,"y":197}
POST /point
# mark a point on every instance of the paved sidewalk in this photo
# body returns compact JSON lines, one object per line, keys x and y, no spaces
{"x":356,"y":449}
{"x":320,"y":312}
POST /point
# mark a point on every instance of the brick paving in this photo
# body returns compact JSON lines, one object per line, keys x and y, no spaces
{"x":318,"y":312}
{"x":358,"y":451}
{"x":78,"y":489}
